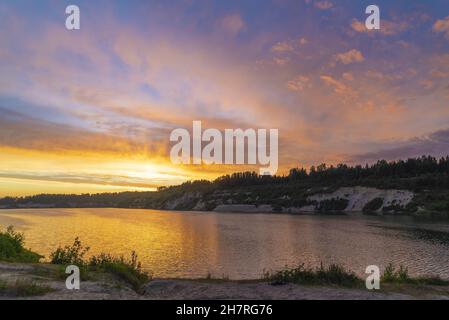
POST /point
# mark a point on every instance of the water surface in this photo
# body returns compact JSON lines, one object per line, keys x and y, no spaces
{"x":238,"y":246}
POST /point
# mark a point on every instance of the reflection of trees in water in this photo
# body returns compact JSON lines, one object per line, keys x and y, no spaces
{"x":434,"y":236}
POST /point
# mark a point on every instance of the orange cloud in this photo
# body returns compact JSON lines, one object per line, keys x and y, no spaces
{"x":323,"y":5}
{"x":299,"y":83}
{"x":387,"y":27}
{"x":349,"y":57}
{"x":442,"y":26}
{"x":339,"y":87}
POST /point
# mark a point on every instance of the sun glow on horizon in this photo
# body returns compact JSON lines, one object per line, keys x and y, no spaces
{"x":91,"y":110}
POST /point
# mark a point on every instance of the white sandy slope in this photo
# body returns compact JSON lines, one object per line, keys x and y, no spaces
{"x":358,"y":197}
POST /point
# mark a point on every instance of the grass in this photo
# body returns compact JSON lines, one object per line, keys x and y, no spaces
{"x":401,"y":276}
{"x":12,"y":248}
{"x":337,"y":275}
{"x":128,"y":270}
{"x":23,"y":288}
{"x":331,"y":275}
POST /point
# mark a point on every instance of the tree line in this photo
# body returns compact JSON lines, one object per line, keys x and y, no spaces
{"x":416,"y":174}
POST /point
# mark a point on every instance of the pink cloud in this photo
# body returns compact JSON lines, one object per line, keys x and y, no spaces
{"x":233,"y":23}
{"x":349,"y":57}
{"x":442,"y":26}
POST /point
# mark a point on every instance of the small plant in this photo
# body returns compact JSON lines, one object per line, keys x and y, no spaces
{"x":24,"y":288}
{"x":401,"y":275}
{"x":73,"y":254}
{"x":331,"y":275}
{"x":129,"y":271}
{"x":391,"y":275}
{"x":12,"y":248}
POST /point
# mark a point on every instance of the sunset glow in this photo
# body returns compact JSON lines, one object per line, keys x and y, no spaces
{"x":92,"y":110}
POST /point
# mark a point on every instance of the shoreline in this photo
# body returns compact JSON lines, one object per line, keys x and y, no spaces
{"x":305,"y":214}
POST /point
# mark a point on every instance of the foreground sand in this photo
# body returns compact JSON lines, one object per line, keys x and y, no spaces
{"x":106,"y":287}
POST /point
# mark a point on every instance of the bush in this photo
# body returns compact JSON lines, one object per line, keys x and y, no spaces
{"x":12,"y":248}
{"x":332,"y":275}
{"x":73,"y":254}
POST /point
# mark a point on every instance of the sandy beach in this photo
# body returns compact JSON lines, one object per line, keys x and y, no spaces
{"x":106,"y":287}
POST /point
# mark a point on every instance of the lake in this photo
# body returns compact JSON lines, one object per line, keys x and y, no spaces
{"x":239,"y":246}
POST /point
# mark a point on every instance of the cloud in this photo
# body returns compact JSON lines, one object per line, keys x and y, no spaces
{"x":91,"y":178}
{"x":233,"y":23}
{"x":299,"y":83}
{"x":124,"y":86}
{"x":25,"y":132}
{"x":436,"y":144}
{"x":349,"y":57}
{"x":387,"y":27}
{"x":281,"y":61}
{"x":348,"y":76}
{"x":339,"y":87}
{"x":283,"y":46}
{"x":358,"y":26}
{"x":442,"y":26}
{"x":323,"y":5}
{"x":289,"y":45}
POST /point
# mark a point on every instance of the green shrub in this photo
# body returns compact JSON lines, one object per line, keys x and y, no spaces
{"x":12,"y":248}
{"x":392,"y":275}
{"x":401,"y":275}
{"x":68,"y":255}
{"x":331,"y":275}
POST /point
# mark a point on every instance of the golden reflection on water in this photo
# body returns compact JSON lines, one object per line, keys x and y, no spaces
{"x":239,"y":246}
{"x":165,"y":243}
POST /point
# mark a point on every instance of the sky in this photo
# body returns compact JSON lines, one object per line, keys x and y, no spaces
{"x":91,"y":110}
